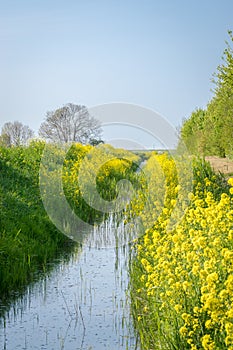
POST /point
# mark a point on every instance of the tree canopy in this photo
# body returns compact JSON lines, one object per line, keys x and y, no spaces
{"x":70,"y":123}
{"x":210,"y":131}
{"x":15,"y":134}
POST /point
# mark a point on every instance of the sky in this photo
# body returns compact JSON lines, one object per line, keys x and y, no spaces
{"x":156,"y":54}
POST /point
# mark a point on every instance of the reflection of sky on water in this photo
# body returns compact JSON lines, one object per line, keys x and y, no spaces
{"x":81,"y":305}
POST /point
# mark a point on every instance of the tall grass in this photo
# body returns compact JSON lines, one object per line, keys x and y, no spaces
{"x":28,"y":240}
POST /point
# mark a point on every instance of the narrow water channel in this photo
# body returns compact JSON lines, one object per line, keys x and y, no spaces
{"x":83,"y":304}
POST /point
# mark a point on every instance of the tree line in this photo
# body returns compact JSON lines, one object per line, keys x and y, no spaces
{"x":209,"y":131}
{"x":70,"y":123}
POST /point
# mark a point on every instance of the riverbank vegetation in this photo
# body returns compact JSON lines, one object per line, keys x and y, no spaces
{"x":28,"y":238}
{"x":182,"y":279}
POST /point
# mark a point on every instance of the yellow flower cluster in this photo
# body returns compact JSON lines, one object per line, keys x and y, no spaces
{"x":91,"y":176}
{"x":158,"y":194}
{"x":184,"y":277}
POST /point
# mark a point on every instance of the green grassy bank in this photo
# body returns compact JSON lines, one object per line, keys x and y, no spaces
{"x":28,"y":240}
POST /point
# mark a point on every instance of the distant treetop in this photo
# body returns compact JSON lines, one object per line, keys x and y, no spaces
{"x":15,"y":134}
{"x":71,"y":123}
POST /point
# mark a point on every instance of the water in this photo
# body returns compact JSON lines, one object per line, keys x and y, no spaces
{"x":82,"y":304}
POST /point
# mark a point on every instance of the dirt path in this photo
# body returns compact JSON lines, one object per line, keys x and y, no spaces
{"x":224,"y":165}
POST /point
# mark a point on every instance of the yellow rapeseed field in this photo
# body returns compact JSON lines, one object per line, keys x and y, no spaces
{"x":182,"y":279}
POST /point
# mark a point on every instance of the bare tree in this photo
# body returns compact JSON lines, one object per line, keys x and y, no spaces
{"x":71,"y":123}
{"x":5,"y":140}
{"x":15,"y":134}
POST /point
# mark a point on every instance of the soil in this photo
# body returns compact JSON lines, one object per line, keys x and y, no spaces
{"x":224,"y":165}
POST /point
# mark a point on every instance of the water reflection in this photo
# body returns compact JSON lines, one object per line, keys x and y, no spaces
{"x":82,"y":304}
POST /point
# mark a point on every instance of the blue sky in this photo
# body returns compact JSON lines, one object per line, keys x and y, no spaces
{"x":157,"y":54}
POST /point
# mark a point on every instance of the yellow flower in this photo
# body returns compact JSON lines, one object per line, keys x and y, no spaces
{"x":207,"y":342}
{"x":178,"y":308}
{"x":196,"y":309}
{"x":186,"y":317}
{"x":183,"y":331}
{"x":145,"y":309}
{"x":208,"y":324}
{"x":212,"y":278}
{"x":229,"y":340}
{"x":193,"y":347}
{"x":229,"y":328}
{"x":185,"y":285}
{"x":187,"y":272}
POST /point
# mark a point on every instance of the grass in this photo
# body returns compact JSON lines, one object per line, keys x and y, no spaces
{"x":28,"y":240}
